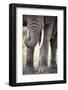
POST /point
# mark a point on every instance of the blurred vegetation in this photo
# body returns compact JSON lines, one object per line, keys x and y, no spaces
{"x":24,"y":48}
{"x":24,"y":32}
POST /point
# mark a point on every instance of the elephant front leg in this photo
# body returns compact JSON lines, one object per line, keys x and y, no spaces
{"x":29,"y":62}
{"x":53,"y":66}
{"x":43,"y":62}
{"x":43,"y":58}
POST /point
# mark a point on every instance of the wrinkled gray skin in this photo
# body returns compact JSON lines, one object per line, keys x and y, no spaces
{"x":35,"y":25}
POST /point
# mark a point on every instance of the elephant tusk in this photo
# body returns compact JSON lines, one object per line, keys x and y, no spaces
{"x":42,"y":38}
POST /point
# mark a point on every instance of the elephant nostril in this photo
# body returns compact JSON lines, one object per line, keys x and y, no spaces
{"x":29,"y":38}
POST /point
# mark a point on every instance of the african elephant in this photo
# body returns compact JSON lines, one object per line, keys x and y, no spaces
{"x":42,"y":29}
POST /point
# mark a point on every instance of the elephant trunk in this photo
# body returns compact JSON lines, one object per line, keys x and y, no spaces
{"x":34,"y":25}
{"x":32,"y":40}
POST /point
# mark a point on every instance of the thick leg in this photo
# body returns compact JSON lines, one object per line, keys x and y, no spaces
{"x":53,"y":41}
{"x":53,"y":54}
{"x":53,"y":50}
{"x":30,"y":53}
{"x":43,"y":62}
{"x":29,"y":62}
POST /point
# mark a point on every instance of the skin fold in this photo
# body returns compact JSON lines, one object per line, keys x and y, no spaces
{"x":35,"y":25}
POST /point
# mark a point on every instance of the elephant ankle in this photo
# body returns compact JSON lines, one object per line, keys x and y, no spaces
{"x":42,"y":69}
{"x":52,"y":69}
{"x":43,"y":62}
{"x":53,"y":63}
{"x":29,"y":63}
{"x":28,"y":70}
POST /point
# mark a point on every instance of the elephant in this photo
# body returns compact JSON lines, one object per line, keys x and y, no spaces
{"x":42,"y":30}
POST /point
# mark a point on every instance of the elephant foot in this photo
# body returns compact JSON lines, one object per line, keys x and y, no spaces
{"x":42,"y":66}
{"x":43,"y":69}
{"x":53,"y":68}
{"x":28,"y":70}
